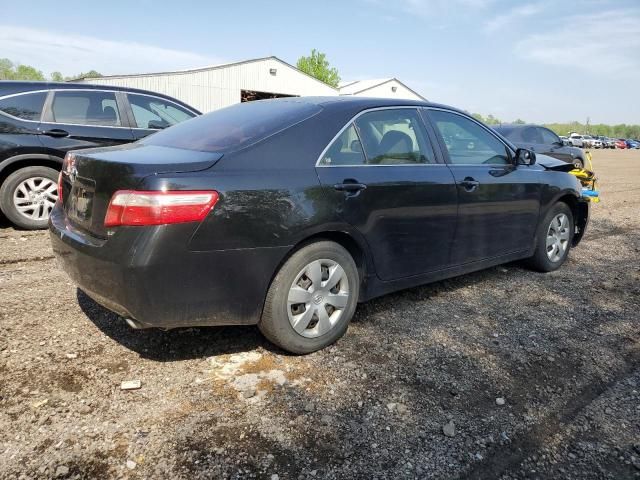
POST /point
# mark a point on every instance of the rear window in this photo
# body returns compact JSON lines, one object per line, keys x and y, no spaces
{"x":234,"y":127}
{"x":27,"y":106}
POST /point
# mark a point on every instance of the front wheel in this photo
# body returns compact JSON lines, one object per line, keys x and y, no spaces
{"x":28,"y":195}
{"x":553,"y":239}
{"x":578,"y":163}
{"x":312,"y":298}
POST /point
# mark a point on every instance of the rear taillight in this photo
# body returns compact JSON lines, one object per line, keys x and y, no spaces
{"x":130,"y":207}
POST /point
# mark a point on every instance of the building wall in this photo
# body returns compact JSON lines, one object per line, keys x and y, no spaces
{"x":384,"y":91}
{"x":218,"y":87}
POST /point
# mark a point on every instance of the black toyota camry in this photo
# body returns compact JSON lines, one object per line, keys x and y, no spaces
{"x":287,"y":213}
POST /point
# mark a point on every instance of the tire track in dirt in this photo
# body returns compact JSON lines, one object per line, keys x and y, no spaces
{"x":501,"y":462}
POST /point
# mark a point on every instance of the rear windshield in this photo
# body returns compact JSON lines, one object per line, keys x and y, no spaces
{"x":234,"y":127}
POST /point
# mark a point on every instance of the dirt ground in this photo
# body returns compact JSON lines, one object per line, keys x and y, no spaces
{"x":503,"y":373}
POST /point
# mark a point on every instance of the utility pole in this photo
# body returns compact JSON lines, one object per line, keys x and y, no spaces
{"x":587,"y":126}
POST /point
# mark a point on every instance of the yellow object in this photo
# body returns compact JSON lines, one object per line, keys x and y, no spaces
{"x":587,"y":178}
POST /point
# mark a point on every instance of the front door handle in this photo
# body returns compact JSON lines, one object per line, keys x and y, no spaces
{"x":349,"y":185}
{"x":469,"y":184}
{"x":56,"y":133}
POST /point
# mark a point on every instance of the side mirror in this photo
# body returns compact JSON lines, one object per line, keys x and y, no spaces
{"x":525,"y":157}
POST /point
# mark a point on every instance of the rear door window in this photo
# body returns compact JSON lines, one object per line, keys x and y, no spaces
{"x":155,"y":113}
{"x":94,"y":108}
{"x":345,"y":150}
{"x":27,"y":106}
{"x":394,"y":137}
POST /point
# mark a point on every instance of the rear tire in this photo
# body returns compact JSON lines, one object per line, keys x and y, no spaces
{"x":305,"y":309}
{"x":28,"y":195}
{"x":553,"y":239}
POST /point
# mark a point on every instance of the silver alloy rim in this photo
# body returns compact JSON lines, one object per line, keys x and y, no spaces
{"x":35,"y":197}
{"x":317,"y":298}
{"x":558,"y":237}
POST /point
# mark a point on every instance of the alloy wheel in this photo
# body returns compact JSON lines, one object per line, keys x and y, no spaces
{"x":558,"y":236}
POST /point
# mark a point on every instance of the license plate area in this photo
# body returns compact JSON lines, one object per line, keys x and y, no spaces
{"x":80,"y":205}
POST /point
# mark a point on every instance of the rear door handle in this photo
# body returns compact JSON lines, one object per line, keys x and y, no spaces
{"x":56,"y":133}
{"x":469,"y":184}
{"x":350,"y":186}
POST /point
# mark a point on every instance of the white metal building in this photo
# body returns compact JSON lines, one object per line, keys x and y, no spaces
{"x":380,"y":88}
{"x":213,"y":87}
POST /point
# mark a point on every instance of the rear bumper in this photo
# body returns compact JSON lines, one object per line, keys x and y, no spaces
{"x":148,"y":274}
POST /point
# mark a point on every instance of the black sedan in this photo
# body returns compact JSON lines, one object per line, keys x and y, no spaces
{"x":287,"y":213}
{"x":542,"y":140}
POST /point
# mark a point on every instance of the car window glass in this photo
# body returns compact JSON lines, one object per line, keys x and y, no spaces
{"x":86,"y":108}
{"x":394,"y":137}
{"x":152,"y":112}
{"x":548,"y":137}
{"x":467,"y":142}
{"x":345,"y":150}
{"x":236,"y":126}
{"x":531,"y":135}
{"x":27,"y":106}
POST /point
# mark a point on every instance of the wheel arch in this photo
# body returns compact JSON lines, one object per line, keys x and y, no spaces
{"x":346,"y":238}
{"x":580,"y":210}
{"x":12,"y":164}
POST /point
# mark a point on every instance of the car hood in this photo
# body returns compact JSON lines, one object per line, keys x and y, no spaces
{"x":550,"y":163}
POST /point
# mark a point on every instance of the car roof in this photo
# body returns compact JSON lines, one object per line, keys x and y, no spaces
{"x":9,"y":87}
{"x":357,"y":104}
{"x":515,"y":126}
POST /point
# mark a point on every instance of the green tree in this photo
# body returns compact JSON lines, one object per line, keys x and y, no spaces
{"x":57,"y":77}
{"x":318,"y":66}
{"x":89,"y":74}
{"x":12,"y":71}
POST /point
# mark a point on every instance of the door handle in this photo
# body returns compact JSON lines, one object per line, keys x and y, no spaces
{"x":350,"y":186}
{"x":56,"y":133}
{"x":469,"y":184}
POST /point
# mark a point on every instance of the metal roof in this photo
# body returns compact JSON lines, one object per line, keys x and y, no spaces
{"x":207,"y":68}
{"x":359,"y":86}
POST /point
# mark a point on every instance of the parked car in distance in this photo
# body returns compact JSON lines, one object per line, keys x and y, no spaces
{"x":541,"y":140}
{"x":576,"y":140}
{"x":40,"y":122}
{"x":632,"y":144}
{"x":609,"y":142}
{"x":621,"y":143}
{"x":286,"y":213}
{"x":591,"y":142}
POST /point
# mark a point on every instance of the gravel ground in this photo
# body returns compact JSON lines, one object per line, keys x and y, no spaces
{"x":503,"y":373}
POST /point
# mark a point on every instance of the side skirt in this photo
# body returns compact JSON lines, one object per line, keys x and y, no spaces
{"x":374,"y":287}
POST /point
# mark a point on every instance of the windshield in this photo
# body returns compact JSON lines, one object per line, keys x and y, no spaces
{"x":234,"y":127}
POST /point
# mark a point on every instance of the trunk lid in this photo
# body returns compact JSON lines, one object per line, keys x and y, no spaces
{"x":91,"y":179}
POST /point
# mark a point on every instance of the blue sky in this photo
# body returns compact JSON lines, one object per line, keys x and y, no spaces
{"x":541,"y":61}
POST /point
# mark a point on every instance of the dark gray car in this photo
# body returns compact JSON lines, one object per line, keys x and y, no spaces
{"x":542,"y":140}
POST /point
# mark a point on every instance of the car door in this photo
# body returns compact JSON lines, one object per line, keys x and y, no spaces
{"x":383,"y":177}
{"x":554,"y":145}
{"x":498,"y":202}
{"x":148,"y":114}
{"x":74,"y":119}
